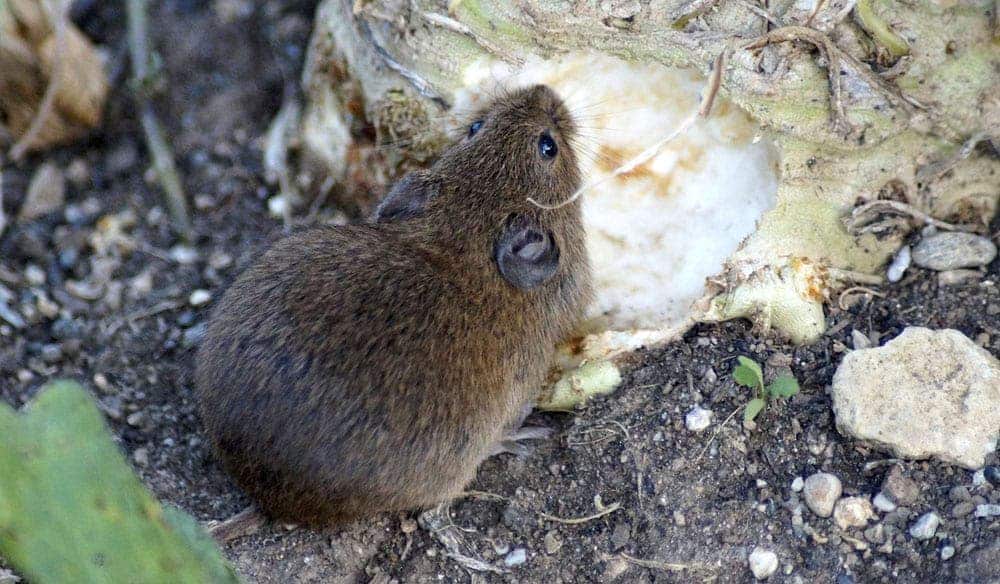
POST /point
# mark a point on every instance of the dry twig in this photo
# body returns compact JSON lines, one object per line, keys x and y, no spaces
{"x":159,"y":148}
{"x":862,"y":218}
{"x":580,"y":520}
{"x":838,"y":113}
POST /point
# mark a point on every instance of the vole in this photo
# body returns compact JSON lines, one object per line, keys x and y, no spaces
{"x":366,"y":368}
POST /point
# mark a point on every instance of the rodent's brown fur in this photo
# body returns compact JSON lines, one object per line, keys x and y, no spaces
{"x":367,"y":368}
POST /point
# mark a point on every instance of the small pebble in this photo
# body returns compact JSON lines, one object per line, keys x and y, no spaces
{"x":135,"y":419}
{"x":852,"y":512}
{"x":987,"y":510}
{"x":52,"y":353}
{"x":957,"y":277}
{"x":900,"y":488}
{"x":925,"y":527}
{"x":13,"y":318}
{"x":199,"y":297}
{"x":962,"y":509}
{"x":763,"y":563}
{"x":516,"y":557}
{"x":46,"y":193}
{"x":552,"y":542}
{"x":408,"y":525}
{"x":101,"y":383}
{"x":860,"y":340}
{"x":821,"y":491}
{"x":698,"y":419}
{"x":959,"y":493}
{"x":899,"y":264}
{"x":953,"y":250}
{"x":276,"y":206}
{"x":947,"y":552}
{"x":979,"y":477}
{"x":141,"y":456}
{"x":34,"y":275}
{"x":49,"y":309}
{"x":883,"y":503}
{"x":797,"y":484}
{"x":183,"y":254}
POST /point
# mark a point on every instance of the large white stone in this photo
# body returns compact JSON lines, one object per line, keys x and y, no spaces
{"x":923,"y":394}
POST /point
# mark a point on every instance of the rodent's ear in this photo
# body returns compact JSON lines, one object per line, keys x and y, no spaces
{"x":406,"y":199}
{"x":526,"y":254}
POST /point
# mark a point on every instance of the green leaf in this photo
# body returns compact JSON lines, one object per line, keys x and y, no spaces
{"x":753,"y":408}
{"x":784,"y":386}
{"x":748,"y":373}
{"x":71,"y":509}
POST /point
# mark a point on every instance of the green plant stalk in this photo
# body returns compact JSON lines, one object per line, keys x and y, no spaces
{"x":879,"y":29}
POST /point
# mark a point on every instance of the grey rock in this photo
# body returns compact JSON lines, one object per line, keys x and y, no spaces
{"x":962,"y":509}
{"x":46,"y":193}
{"x":947,"y":552}
{"x":957,"y":277}
{"x":798,"y":484}
{"x":136,"y":419}
{"x":763,"y":563}
{"x":988,"y":510}
{"x":553,"y":543}
{"x":901,"y":489}
{"x":959,"y":493}
{"x":958,"y":422}
{"x":953,"y":250}
{"x":821,"y":492}
{"x":11,"y":317}
{"x":516,"y":557}
{"x":883,"y":503}
{"x":52,"y":353}
{"x":925,"y":527}
{"x":698,"y":419}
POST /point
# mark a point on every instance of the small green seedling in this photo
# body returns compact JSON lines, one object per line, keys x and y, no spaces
{"x":749,"y":374}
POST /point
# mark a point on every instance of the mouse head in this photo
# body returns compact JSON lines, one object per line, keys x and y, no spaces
{"x":522,"y":141}
{"x":518,"y":146}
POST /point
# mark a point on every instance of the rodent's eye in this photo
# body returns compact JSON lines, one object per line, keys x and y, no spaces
{"x":475,"y":127}
{"x":547,"y":146}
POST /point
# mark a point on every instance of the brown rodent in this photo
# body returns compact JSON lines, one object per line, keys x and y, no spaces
{"x":372,"y":367}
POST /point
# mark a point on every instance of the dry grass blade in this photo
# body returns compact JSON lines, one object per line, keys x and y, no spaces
{"x":666,"y":566}
{"x":580,"y":520}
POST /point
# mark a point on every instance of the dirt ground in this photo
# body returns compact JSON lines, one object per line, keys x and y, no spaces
{"x":623,"y":492}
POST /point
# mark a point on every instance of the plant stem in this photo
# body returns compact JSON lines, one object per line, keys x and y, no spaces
{"x":156,"y":142}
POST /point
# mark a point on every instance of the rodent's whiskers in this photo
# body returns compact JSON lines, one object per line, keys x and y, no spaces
{"x":704,"y":109}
